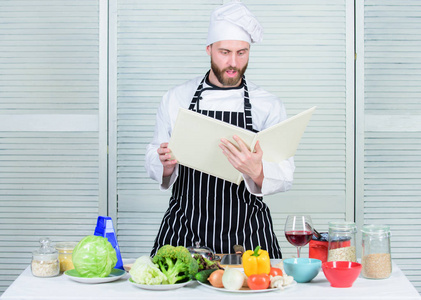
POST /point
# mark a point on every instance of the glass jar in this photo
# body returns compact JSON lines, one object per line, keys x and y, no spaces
{"x":65,"y":250}
{"x":376,"y":259}
{"x":45,"y":261}
{"x":342,"y":246}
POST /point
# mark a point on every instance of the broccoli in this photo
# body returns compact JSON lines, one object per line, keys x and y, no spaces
{"x":176,"y":263}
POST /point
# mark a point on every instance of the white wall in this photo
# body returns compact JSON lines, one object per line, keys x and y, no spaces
{"x":306,"y":58}
{"x":389,"y":125}
{"x":53,"y":136}
{"x":60,"y":71}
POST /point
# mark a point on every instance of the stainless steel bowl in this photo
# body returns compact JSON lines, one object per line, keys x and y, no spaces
{"x":206,"y":252}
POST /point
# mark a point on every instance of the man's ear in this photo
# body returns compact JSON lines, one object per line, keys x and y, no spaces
{"x":208,"y":49}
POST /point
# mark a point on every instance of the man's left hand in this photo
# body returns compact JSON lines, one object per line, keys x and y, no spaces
{"x":245,"y":161}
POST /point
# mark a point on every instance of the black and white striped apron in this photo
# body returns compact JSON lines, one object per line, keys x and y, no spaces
{"x":217,"y":213}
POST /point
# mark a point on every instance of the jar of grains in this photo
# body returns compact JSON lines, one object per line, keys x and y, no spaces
{"x":376,"y":259}
{"x":45,"y":261}
{"x":65,"y":250}
{"x":342,"y":245}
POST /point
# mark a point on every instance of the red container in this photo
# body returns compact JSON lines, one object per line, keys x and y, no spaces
{"x":318,"y":250}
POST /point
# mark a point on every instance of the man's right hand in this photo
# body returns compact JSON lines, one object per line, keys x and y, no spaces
{"x":164,"y":154}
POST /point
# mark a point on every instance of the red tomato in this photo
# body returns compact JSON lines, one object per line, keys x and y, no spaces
{"x":258,"y":281}
{"x":275,"y":272}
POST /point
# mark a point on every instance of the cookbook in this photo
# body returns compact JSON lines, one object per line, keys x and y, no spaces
{"x":195,"y":141}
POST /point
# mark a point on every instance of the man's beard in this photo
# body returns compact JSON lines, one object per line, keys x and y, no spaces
{"x":230,"y":81}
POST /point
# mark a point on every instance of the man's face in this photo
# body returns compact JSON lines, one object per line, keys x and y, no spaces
{"x":229,"y":61}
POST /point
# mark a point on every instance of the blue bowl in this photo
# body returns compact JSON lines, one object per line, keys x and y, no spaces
{"x":302,"y":269}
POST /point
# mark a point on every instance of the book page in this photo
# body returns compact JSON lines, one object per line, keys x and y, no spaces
{"x":281,"y":141}
{"x":195,"y":143}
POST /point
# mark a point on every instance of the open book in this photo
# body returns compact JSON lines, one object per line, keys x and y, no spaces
{"x":195,"y":141}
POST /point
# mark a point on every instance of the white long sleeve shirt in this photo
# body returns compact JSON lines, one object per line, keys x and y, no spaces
{"x":267,"y":110}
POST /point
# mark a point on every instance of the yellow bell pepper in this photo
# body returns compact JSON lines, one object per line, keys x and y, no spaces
{"x":256,"y":262}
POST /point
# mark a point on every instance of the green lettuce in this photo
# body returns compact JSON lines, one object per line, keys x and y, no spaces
{"x":94,"y":256}
{"x":144,"y":271}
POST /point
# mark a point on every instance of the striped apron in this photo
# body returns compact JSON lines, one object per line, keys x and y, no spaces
{"x":217,"y":213}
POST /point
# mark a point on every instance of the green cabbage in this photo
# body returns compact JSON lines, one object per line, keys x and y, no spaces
{"x":94,"y":256}
{"x":144,"y":271}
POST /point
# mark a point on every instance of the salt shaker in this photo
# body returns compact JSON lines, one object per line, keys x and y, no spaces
{"x":45,"y":261}
{"x":376,"y":259}
{"x":342,"y":246}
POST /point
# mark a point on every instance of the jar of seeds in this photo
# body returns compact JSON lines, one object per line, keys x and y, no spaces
{"x":342,"y":246}
{"x":65,"y":251}
{"x":45,"y":261}
{"x":376,"y":259}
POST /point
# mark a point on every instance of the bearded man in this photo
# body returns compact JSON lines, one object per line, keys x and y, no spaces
{"x":205,"y":209}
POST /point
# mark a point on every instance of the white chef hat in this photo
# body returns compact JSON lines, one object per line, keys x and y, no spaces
{"x":233,"y":21}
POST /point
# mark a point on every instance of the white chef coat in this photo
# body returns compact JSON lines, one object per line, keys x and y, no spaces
{"x":267,"y":110}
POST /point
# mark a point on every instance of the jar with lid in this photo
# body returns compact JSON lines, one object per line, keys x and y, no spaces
{"x":65,"y":251}
{"x":45,"y":261}
{"x":342,"y":246}
{"x":376,"y":259}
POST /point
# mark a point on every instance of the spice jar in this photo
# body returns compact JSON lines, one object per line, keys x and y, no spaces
{"x":45,"y":261}
{"x":376,"y":259}
{"x":342,"y":245}
{"x":65,"y":250}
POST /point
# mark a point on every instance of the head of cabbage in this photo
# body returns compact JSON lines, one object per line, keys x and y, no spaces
{"x":94,"y":256}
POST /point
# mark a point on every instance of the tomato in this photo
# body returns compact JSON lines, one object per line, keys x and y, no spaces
{"x":258,"y":281}
{"x":275,"y":272}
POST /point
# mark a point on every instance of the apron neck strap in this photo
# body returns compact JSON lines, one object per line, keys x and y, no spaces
{"x":247,"y":105}
{"x":198,"y":93}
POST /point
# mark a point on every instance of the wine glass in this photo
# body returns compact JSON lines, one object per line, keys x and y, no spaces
{"x":298,"y":231}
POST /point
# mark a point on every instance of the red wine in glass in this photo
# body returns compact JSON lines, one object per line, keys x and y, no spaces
{"x":299,"y":238}
{"x":298,"y":230}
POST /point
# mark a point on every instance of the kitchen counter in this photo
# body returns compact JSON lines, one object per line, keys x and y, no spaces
{"x":26,"y":286}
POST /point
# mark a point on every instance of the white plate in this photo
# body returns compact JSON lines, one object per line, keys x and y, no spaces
{"x":246,"y":290}
{"x":114,"y":275}
{"x":159,"y":287}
